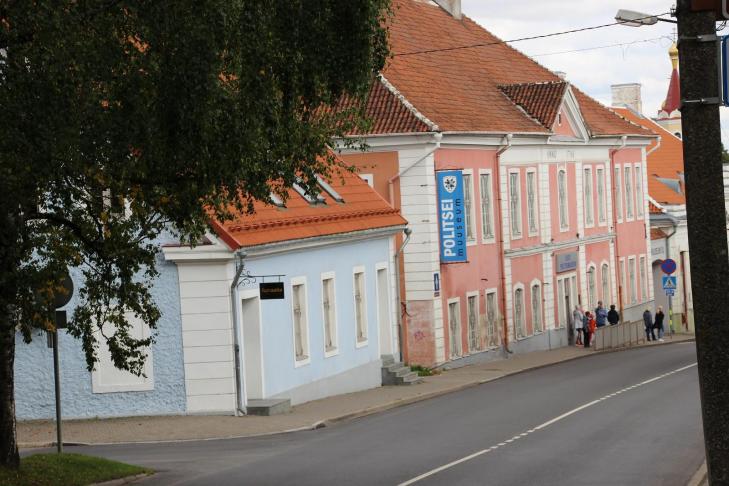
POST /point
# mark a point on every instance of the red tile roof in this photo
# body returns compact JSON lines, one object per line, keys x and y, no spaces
{"x":666,"y":162}
{"x":673,"y":97}
{"x":362,"y":209}
{"x":653,"y":209}
{"x":457,"y":89}
{"x":657,"y":234}
{"x":539,"y":100}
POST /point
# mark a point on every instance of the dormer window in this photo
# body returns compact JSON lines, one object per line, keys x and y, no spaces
{"x":559,"y":118}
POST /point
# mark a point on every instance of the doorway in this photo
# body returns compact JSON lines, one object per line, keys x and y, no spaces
{"x":252,"y":347}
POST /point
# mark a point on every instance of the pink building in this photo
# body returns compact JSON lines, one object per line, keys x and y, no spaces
{"x":555,"y":203}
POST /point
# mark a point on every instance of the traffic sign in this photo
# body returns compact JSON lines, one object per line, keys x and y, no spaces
{"x":669,"y":283}
{"x":668,"y":266}
{"x":670,"y":292}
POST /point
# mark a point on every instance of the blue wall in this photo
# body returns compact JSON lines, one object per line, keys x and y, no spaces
{"x":34,"y":398}
{"x":280,"y":374}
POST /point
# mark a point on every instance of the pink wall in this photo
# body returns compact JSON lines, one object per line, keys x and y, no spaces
{"x":565,"y":128}
{"x":525,"y":240}
{"x":523,"y":271}
{"x":557,"y":234}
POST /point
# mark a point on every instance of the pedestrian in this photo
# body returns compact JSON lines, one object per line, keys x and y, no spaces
{"x":588,"y":328}
{"x":601,"y":314}
{"x":658,"y":323}
{"x":613,"y":316}
{"x":648,"y":322}
{"x":577,"y":321}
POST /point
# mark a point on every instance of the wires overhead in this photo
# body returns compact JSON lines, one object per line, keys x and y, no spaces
{"x":543,"y":36}
{"x":621,"y":44}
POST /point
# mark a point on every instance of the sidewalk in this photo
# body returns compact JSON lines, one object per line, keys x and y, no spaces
{"x":306,"y":416}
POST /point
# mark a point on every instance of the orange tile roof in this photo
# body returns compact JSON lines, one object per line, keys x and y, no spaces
{"x":457,"y":89}
{"x":539,"y":100}
{"x":653,"y":209}
{"x":666,"y":162}
{"x":362,"y":209}
{"x":657,"y":234}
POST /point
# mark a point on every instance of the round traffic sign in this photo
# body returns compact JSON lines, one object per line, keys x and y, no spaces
{"x":668,"y":266}
{"x":64,"y":297}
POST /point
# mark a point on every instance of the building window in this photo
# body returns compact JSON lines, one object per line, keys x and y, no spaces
{"x":633,"y":288}
{"x":643,"y":280}
{"x":537,"y":307}
{"x":587,"y":191}
{"x":301,"y":325}
{"x":514,"y":204}
{"x":605,"y":275}
{"x":493,"y":339}
{"x":329,"y":313}
{"x":532,"y":202}
{"x":454,"y":326}
{"x":562,"y":313}
{"x":591,"y":287}
{"x":639,"y":192}
{"x":624,"y":299}
{"x":519,"y":313}
{"x":618,"y":195}
{"x":474,"y":338}
{"x":468,"y":206}
{"x":601,"y":204}
{"x":628,"y":193}
{"x":562,"y":193}
{"x":360,"y":312}
{"x":368,"y":178}
{"x":487,"y":230}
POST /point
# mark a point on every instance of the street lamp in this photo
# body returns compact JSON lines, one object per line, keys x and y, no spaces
{"x":638,"y":19}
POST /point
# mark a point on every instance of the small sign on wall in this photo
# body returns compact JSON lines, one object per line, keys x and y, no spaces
{"x":567,"y":262}
{"x":271,"y":290}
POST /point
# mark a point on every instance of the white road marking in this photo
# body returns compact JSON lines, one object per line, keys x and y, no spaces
{"x":435,"y":471}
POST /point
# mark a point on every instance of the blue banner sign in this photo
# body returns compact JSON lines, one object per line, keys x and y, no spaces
{"x":451,"y":216}
{"x":567,"y":262}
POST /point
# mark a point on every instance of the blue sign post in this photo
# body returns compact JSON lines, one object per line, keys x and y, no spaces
{"x":724,"y":64}
{"x":451,"y":216}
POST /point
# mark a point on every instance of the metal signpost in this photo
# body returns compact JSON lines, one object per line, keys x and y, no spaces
{"x":60,"y":317}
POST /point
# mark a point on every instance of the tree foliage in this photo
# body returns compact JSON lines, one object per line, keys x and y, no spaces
{"x":122,"y":118}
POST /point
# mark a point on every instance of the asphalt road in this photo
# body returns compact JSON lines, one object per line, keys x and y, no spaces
{"x":627,"y":418}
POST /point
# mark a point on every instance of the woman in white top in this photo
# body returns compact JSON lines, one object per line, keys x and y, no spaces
{"x":577,"y":322}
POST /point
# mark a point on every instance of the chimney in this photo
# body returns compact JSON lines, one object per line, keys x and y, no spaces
{"x":453,"y":7}
{"x":628,"y":94}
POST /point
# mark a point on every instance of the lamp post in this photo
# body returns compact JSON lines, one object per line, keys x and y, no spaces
{"x":705,"y":208}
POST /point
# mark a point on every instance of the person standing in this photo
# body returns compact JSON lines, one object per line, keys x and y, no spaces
{"x":613,"y":317}
{"x":658,"y":323}
{"x":588,"y":325}
{"x":601,"y":315}
{"x":577,"y":317}
{"x":648,"y":323}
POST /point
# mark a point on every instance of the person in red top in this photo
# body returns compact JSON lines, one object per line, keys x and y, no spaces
{"x":590,"y":327}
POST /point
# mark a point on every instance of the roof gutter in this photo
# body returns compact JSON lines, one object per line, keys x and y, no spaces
{"x":658,"y":145}
{"x":506,"y":145}
{"x":437,"y":136}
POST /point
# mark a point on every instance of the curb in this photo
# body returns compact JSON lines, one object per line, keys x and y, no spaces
{"x":700,"y":478}
{"x":361,"y":413}
{"x":126,"y":480}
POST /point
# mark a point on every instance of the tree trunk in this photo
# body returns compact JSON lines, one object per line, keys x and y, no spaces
{"x":8,"y":441}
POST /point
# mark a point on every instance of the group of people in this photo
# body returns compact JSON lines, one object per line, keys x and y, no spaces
{"x":585,"y":322}
{"x":653,"y":327}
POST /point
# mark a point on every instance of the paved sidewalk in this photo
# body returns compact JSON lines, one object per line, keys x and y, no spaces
{"x":306,"y":416}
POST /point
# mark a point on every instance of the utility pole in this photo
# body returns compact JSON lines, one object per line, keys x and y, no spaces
{"x":700,"y":93}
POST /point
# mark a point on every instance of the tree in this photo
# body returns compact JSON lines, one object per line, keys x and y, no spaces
{"x":123,"y":118}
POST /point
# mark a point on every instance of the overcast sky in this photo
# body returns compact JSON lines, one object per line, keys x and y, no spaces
{"x":643,"y":58}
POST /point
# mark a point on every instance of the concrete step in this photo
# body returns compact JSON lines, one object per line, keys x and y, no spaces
{"x":402,"y":371}
{"x":267,"y":407}
{"x":411,"y":378}
{"x":394,"y":366}
{"x":387,"y":359}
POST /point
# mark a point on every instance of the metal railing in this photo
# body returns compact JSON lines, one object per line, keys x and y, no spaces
{"x":622,"y":335}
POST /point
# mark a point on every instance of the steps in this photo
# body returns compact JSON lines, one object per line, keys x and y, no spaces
{"x":273,"y":406}
{"x":396,"y":373}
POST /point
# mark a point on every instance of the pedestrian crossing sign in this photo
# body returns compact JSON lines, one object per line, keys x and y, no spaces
{"x":669,"y":283}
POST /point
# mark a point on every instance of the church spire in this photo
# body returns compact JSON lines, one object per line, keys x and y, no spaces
{"x":673,"y":97}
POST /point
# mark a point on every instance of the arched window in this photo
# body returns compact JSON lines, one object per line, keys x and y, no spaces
{"x":519,"y":313}
{"x":562,"y":193}
{"x":605,"y":275}
{"x":591,"y":286}
{"x":537,"y":307}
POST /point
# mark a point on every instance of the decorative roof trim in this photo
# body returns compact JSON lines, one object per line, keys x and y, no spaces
{"x":392,"y":89}
{"x":310,"y":219}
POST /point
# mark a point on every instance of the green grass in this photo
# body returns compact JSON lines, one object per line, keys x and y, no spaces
{"x":66,"y":470}
{"x":423,"y":371}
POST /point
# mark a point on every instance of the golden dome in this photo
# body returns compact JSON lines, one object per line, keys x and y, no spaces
{"x":673,"y":54}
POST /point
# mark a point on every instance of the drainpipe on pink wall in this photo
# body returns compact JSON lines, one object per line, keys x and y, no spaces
{"x":623,"y":142}
{"x":437,"y":136}
{"x":497,"y":177}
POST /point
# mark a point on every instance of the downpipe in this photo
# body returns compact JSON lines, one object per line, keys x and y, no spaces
{"x":407,"y":232}
{"x":497,"y":169}
{"x":239,"y":391}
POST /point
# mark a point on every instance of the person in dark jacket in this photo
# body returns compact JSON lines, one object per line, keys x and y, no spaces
{"x":658,"y":323}
{"x":613,"y":316}
{"x":648,"y":322}
{"x":600,"y":315}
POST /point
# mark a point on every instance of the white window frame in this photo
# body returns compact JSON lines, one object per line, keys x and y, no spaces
{"x":479,"y":340}
{"x":519,"y":323}
{"x":470,"y":212}
{"x":591,"y":275}
{"x":639,"y":193}
{"x":633,"y":277}
{"x":564,"y":219}
{"x":515,"y":223}
{"x":629,"y":196}
{"x":333,"y":306}
{"x":458,"y":335}
{"x":540,"y":302}
{"x":601,"y":192}
{"x":533,"y":211}
{"x":571,"y":279}
{"x":643,"y":275}
{"x":493,"y":334}
{"x":618,"y":183}
{"x":624,"y":283}
{"x":489,"y":213}
{"x":605,"y":277}
{"x":360,"y":343}
{"x":305,"y":338}
{"x":588,"y":196}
